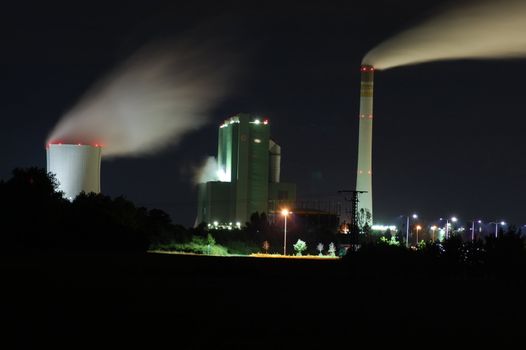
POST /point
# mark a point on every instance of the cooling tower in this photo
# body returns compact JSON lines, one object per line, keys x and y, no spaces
{"x":76,"y":168}
{"x":365,"y":143}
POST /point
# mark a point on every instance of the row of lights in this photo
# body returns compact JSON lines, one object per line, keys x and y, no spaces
{"x":236,"y":120}
{"x":367,"y":69}
{"x":384,"y":228}
{"x":216,"y":225}
{"x":453,"y":219}
{"x":78,"y":144}
{"x":257,"y":122}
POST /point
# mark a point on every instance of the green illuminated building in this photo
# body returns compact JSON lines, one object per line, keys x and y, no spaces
{"x":248,"y":174}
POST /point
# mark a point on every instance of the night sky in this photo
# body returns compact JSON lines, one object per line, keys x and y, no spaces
{"x":448,"y":136}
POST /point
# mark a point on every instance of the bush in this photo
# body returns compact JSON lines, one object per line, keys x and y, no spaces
{"x":198,"y":245}
{"x":300,"y":246}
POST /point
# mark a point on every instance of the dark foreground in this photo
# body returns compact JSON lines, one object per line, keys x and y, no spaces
{"x":188,"y":302}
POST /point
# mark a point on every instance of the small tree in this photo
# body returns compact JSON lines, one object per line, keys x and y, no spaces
{"x":390,"y":241}
{"x":320,"y":248}
{"x":300,"y":247}
{"x":332,"y":249}
{"x":266,"y":246}
{"x":394,"y":241}
{"x":210,"y":242}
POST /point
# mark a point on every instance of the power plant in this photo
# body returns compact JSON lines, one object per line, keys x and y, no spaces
{"x":249,"y":167}
{"x":365,"y":144}
{"x":248,"y":177}
{"x":76,"y":167}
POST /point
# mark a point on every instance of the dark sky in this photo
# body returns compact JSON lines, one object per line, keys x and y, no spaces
{"x":448,"y":136}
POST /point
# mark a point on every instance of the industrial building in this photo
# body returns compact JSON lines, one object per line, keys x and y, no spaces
{"x":76,"y":167}
{"x":249,"y":167}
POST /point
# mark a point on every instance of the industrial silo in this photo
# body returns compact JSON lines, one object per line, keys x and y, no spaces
{"x":76,"y":167}
{"x":275,"y":161}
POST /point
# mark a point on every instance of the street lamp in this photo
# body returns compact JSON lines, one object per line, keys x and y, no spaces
{"x":418,"y":228}
{"x":453,"y":219}
{"x":433,"y":229}
{"x":473,"y":228}
{"x":414,"y":216}
{"x":285,"y":213}
{"x":502,"y":223}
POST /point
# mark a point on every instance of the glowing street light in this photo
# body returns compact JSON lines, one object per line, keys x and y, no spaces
{"x":473,"y":228}
{"x":502,"y":223}
{"x":414,"y":216}
{"x":285,"y":213}
{"x":418,"y":228}
{"x":453,"y":219}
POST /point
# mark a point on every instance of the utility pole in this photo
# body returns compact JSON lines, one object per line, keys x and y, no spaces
{"x":354,"y":229}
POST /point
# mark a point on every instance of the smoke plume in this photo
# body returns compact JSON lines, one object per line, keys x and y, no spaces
{"x":208,"y":171}
{"x":480,"y":30}
{"x":149,"y":102}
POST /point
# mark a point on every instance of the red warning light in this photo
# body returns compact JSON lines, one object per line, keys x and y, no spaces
{"x":265,"y":121}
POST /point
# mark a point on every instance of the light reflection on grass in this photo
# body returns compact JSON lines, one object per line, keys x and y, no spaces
{"x":254,"y":255}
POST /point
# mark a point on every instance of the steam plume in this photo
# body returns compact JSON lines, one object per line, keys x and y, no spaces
{"x":151,"y":100}
{"x":480,"y":30}
{"x":207,"y":171}
{"x":210,"y":170}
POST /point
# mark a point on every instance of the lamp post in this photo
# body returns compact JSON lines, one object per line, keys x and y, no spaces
{"x":418,"y":228}
{"x":433,"y":229}
{"x":453,"y":219}
{"x":502,"y":223}
{"x":473,"y":229}
{"x":414,"y":216}
{"x":285,"y":213}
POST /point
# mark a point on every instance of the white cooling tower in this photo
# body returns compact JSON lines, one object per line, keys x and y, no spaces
{"x":76,"y":168}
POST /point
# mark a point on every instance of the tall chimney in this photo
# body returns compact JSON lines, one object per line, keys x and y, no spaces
{"x":365,"y":144}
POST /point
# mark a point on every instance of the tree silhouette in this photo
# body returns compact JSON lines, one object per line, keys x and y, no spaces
{"x":34,"y":217}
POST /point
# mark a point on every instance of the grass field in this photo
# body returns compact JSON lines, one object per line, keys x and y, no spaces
{"x":189,"y":302}
{"x":256,"y":255}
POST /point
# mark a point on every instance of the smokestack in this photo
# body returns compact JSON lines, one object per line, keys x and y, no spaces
{"x":365,"y":143}
{"x":76,"y":167}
